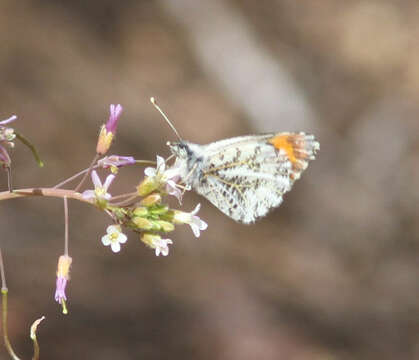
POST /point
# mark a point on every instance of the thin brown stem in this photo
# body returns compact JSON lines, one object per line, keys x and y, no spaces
{"x":75,"y":176}
{"x":87,"y":173}
{"x":9,"y":179}
{"x":65,"y":226}
{"x":126,"y":202}
{"x":48,"y":192}
{"x":122,"y":196}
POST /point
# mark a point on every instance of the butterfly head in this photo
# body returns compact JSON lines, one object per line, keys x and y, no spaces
{"x":179,"y":148}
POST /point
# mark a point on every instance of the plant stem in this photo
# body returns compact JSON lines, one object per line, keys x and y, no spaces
{"x":87,"y":173}
{"x":4,"y":308}
{"x":65,"y":226}
{"x":48,"y":192}
{"x":73,"y":177}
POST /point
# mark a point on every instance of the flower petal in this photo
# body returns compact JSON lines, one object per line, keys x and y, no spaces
{"x":161,"y":164}
{"x":108,"y":181}
{"x":122,"y":238}
{"x":106,"y":240}
{"x":95,"y":179}
{"x":116,"y":247}
{"x":150,"y":172}
{"x":88,"y":194}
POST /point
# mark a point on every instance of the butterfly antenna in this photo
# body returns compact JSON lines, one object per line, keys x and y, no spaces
{"x":153,"y":101}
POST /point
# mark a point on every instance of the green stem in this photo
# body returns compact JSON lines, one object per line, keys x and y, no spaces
{"x":5,"y":332}
{"x":31,"y":147}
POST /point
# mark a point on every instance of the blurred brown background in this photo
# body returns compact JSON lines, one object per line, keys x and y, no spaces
{"x":331,"y":274}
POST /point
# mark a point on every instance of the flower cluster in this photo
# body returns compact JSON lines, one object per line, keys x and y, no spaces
{"x":144,"y":211}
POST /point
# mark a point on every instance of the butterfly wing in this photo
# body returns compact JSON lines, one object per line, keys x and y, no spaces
{"x":247,"y":176}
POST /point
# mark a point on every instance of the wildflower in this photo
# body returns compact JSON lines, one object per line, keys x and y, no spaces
{"x":191,"y":219}
{"x":114,"y":237}
{"x":161,"y":246}
{"x":100,"y":193}
{"x":5,"y":160}
{"x":7,"y":135}
{"x":108,"y":130}
{"x":9,"y":120}
{"x":63,"y":275}
{"x":160,"y":177}
{"x":115,"y":161}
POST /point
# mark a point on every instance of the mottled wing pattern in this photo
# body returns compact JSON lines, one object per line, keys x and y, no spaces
{"x":245,"y":177}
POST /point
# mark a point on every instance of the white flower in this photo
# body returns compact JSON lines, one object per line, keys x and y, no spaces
{"x":100,"y":192}
{"x":161,"y":246}
{"x":166,"y":177}
{"x":114,"y":237}
{"x":191,"y":219}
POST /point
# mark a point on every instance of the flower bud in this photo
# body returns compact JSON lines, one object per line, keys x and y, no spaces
{"x":140,"y":211}
{"x":142,"y":223}
{"x":151,"y":199}
{"x":165,"y":225}
{"x":147,"y":186}
{"x":107,"y":132}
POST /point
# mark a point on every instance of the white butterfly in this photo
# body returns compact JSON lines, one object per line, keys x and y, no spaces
{"x":244,"y":176}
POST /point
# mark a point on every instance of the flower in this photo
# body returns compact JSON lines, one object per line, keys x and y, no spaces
{"x":9,"y":120}
{"x":166,"y":178}
{"x":115,"y":113}
{"x":107,"y":132}
{"x":191,"y":219}
{"x":114,"y":237}
{"x":161,"y":246}
{"x":63,"y":275}
{"x":115,"y":161}
{"x":5,"y":160}
{"x":100,"y":193}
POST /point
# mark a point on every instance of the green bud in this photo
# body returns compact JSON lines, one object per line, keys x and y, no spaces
{"x":166,"y":226}
{"x":147,"y":186}
{"x":159,"y":210}
{"x":140,"y":211}
{"x":152,"y":199}
{"x":143,"y":223}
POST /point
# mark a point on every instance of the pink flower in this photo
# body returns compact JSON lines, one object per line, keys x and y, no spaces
{"x":115,"y":113}
{"x":63,"y":275}
{"x":107,"y":132}
{"x":9,"y":120}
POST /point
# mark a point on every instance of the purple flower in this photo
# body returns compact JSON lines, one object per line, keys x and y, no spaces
{"x":60,"y":289}
{"x":63,"y":275}
{"x":115,"y":161}
{"x":9,"y":120}
{"x":107,"y":132}
{"x":112,"y":123}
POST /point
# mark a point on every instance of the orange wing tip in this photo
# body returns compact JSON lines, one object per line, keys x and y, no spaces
{"x":297,"y":147}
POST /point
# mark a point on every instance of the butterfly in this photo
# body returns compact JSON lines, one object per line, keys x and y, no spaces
{"x":246,"y":176}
